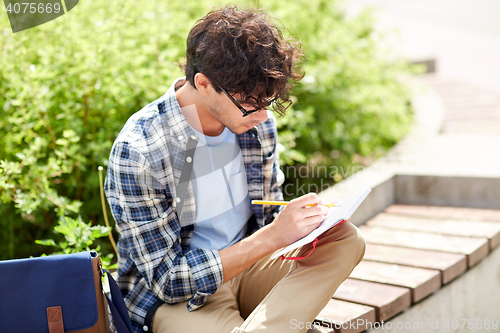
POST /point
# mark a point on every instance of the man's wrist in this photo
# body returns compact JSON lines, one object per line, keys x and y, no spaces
{"x":266,"y":240}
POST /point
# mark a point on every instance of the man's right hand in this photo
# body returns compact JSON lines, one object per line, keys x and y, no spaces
{"x":297,"y":220}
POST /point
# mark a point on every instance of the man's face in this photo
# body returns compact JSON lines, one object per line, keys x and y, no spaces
{"x":229,"y":115}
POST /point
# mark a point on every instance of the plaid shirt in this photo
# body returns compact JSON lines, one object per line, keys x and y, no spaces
{"x":152,"y":202}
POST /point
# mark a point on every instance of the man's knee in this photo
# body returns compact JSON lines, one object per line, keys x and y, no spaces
{"x":354,"y":241}
{"x":359,"y":243}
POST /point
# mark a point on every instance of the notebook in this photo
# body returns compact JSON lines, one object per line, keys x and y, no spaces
{"x":335,"y":215}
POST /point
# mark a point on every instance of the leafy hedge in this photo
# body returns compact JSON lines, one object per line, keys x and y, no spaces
{"x":68,"y":86}
{"x":352,"y":104}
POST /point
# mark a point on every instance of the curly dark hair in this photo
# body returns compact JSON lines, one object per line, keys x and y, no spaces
{"x":244,"y":53}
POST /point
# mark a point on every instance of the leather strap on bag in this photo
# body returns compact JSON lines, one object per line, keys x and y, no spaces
{"x":117,"y":306}
{"x":55,"y":319}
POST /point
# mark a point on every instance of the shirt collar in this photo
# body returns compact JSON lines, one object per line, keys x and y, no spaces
{"x":179,"y":127}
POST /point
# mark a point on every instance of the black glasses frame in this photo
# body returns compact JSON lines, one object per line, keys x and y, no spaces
{"x":238,"y":105}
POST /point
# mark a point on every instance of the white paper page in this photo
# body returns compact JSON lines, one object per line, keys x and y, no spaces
{"x":335,"y":215}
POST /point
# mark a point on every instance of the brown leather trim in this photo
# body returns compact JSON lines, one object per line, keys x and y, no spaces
{"x":55,"y":319}
{"x":101,"y":325}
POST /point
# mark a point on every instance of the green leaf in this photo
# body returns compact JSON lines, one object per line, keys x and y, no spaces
{"x":46,"y":242}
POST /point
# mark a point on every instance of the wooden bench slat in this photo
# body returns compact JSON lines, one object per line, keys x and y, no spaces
{"x":387,"y":300}
{"x":474,"y":248}
{"x":346,"y":316}
{"x":446,"y":212}
{"x":451,"y":265}
{"x":421,"y":281}
{"x":468,"y":228}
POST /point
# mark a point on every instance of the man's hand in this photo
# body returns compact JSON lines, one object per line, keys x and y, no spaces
{"x":297,"y":219}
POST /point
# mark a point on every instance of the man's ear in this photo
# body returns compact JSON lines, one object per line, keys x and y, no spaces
{"x":202,"y":84}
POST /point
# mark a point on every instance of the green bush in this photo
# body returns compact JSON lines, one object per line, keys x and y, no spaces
{"x":78,"y":236}
{"x":67,"y":87}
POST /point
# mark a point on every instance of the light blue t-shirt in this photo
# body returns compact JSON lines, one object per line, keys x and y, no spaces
{"x":220,"y":191}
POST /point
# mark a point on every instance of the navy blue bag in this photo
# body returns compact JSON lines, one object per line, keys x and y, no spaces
{"x":56,"y":294}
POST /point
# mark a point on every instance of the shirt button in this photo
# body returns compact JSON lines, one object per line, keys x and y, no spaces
{"x":189,"y":159}
{"x":178,"y":199}
{"x":180,"y":137}
{"x":145,"y":328}
{"x":193,"y":137}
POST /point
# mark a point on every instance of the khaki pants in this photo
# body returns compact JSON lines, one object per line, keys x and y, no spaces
{"x":273,"y":295}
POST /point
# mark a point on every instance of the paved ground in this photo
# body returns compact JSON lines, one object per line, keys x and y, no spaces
{"x":459,"y":117}
{"x":469,"y":108}
{"x":463,"y":35}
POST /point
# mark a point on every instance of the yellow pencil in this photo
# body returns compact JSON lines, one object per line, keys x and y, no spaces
{"x":283,"y":203}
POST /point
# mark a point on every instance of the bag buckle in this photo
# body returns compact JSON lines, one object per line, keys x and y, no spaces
{"x":101,"y":271}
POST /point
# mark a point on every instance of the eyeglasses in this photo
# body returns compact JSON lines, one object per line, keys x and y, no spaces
{"x":242,"y":109}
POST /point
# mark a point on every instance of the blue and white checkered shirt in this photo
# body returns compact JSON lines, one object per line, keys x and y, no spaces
{"x":147,"y":191}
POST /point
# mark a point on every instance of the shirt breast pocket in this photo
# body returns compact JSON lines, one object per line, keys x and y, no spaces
{"x":239,"y":191}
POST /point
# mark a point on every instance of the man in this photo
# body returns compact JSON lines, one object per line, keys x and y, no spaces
{"x":194,"y":254}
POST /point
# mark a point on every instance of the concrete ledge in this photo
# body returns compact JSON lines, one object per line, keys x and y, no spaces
{"x":471,"y":192}
{"x":429,"y":62}
{"x":427,"y":168}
